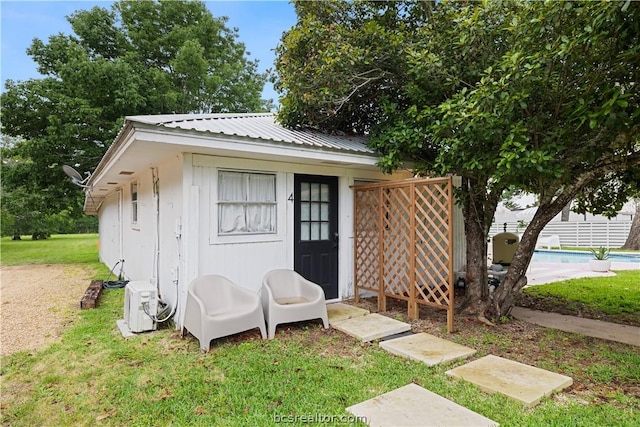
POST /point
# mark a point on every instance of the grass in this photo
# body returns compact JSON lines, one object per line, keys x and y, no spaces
{"x":617,"y":296}
{"x":93,"y":376}
{"x":58,"y":249}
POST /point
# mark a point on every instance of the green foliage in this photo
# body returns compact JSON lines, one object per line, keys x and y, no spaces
{"x":601,"y":253}
{"x":146,"y":57}
{"x":539,"y":97}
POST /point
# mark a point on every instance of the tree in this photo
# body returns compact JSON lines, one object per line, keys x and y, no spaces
{"x":146,"y":57}
{"x":633,"y":240}
{"x":533,"y":96}
{"x":607,"y":195}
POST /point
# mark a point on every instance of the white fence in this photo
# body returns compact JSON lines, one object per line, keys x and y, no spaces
{"x":611,"y":234}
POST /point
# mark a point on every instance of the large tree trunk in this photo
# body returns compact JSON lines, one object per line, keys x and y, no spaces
{"x":477,"y":291}
{"x":503,"y":298}
{"x":633,"y":240}
{"x":478,"y":208}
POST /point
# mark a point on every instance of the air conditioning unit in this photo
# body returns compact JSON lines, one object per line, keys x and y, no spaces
{"x":140,"y":298}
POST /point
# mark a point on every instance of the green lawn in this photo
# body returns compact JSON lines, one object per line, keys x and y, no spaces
{"x":614,"y":298}
{"x":94,"y":376}
{"x":58,"y":249}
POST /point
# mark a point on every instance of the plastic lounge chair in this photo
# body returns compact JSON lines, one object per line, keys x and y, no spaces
{"x":549,"y":242}
{"x":217,"y":307}
{"x":289,"y":297}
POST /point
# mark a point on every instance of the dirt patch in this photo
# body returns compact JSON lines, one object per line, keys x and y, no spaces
{"x":37,"y":302}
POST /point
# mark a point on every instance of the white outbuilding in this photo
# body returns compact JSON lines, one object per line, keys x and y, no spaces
{"x":180,"y":196}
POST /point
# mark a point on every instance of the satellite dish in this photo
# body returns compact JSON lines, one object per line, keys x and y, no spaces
{"x":75,"y":176}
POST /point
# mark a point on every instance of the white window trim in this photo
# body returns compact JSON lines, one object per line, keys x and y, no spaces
{"x":135,"y":205}
{"x":280,"y":221}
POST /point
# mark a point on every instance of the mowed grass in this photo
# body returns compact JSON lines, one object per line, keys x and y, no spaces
{"x":616,"y":295}
{"x":93,"y":376}
{"x":58,"y":249}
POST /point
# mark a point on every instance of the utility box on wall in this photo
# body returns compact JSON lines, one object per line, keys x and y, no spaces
{"x":504,"y":247}
{"x":140,"y":300}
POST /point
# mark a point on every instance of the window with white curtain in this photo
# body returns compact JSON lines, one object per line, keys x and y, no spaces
{"x":134,"y":203}
{"x":246,"y":203}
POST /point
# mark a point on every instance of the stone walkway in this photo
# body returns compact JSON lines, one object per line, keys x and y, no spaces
{"x":411,"y":405}
{"x":579,"y":325}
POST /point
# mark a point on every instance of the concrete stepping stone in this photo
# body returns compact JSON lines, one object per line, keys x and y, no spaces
{"x":413,"y":405}
{"x":371,"y":327}
{"x":518,"y":381}
{"x":427,"y":348}
{"x":338,"y":312}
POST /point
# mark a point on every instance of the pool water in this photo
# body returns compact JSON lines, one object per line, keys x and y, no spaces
{"x":579,"y":257}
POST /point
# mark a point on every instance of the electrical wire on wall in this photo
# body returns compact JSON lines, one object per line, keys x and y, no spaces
{"x":165,"y":311}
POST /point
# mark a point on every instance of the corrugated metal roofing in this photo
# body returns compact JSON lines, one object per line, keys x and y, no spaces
{"x":256,"y":126}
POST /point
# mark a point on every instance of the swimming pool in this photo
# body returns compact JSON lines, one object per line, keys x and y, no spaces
{"x":567,"y":257}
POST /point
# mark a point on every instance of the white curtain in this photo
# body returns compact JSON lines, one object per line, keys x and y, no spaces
{"x":243,"y":212}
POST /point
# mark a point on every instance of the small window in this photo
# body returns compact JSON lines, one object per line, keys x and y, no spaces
{"x":314,"y":211}
{"x":246,"y":203}
{"x":134,"y":203}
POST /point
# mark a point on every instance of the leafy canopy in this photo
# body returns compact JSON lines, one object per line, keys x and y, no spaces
{"x":138,"y":57}
{"x":517,"y":93}
{"x":535,"y":96}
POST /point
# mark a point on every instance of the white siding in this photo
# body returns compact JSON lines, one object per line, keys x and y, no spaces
{"x":245,"y":259}
{"x":138,"y":247}
{"x":109,"y":229}
{"x":170,"y":184}
{"x":138,"y":239}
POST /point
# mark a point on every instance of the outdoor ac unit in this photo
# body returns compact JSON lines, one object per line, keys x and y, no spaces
{"x":139,"y":296}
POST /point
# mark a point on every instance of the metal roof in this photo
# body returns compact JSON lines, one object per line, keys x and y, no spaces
{"x":256,"y":126}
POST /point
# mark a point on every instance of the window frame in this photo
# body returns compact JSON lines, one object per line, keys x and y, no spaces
{"x":245,"y":203}
{"x":134,"y":190}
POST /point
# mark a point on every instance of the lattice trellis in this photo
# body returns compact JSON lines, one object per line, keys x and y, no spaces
{"x":404,"y":243}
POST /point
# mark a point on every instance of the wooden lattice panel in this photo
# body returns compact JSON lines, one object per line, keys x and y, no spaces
{"x":396,"y":240}
{"x":403,"y":243}
{"x":367,"y":238}
{"x":432,"y":261}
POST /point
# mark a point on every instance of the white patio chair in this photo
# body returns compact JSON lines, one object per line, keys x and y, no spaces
{"x":217,"y":307}
{"x":549,"y":242}
{"x":288,"y":297}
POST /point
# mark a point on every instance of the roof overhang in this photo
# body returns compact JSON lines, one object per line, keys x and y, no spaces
{"x":140,"y":146}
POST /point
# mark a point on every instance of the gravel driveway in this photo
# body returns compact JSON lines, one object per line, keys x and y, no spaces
{"x":37,"y":302}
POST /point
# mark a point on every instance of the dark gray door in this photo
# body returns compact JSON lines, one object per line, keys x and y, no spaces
{"x":316,"y":230}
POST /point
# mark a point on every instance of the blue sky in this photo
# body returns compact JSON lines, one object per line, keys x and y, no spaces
{"x":260,"y":25}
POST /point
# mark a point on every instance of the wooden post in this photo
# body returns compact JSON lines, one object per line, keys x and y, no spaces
{"x":356,"y":294}
{"x":382,"y":299}
{"x":450,"y":324}
{"x":413,"y":304}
